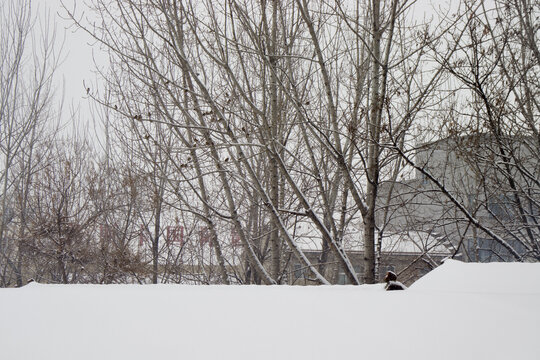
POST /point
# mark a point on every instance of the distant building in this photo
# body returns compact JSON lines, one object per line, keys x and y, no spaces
{"x":475,"y":170}
{"x":411,"y":255}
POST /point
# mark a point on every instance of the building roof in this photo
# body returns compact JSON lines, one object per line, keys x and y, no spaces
{"x":410,"y":242}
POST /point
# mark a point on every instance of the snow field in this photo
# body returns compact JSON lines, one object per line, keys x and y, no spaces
{"x":434,"y":319}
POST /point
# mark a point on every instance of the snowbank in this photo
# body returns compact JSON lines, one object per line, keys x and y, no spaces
{"x":217,"y":322}
{"x":456,"y":276}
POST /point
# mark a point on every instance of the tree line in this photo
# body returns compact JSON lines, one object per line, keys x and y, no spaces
{"x":228,"y":125}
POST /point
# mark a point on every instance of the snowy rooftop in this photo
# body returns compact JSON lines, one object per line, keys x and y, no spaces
{"x":465,"y":311}
{"x":410,"y":242}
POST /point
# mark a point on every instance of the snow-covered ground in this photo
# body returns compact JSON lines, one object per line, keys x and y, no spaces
{"x":458,"y":311}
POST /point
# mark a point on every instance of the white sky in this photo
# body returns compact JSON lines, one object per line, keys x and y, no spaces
{"x":78,"y":65}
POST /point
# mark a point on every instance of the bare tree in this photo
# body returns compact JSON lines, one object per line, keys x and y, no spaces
{"x":263,"y":114}
{"x":29,"y":59}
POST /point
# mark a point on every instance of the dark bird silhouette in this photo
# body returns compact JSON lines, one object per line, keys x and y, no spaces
{"x":392,"y":283}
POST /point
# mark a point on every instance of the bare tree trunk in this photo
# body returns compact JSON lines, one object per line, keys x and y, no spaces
{"x":275,"y":137}
{"x":155,"y":240}
{"x":373,"y":131}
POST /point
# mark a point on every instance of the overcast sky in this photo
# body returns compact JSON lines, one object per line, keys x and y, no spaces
{"x":79,"y":57}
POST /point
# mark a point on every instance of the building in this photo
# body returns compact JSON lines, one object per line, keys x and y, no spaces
{"x":493,"y":180}
{"x":411,"y":255}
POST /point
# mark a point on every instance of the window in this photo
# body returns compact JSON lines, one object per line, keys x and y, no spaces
{"x":298,"y":271}
{"x":501,"y":207}
{"x":488,"y":250}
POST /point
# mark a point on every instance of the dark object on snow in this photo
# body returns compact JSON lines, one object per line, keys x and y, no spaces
{"x":392,"y":283}
{"x":390,"y":276}
{"x":30,"y":281}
